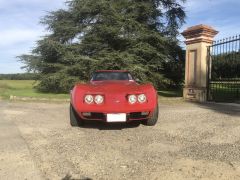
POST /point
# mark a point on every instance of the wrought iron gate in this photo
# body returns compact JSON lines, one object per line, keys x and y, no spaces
{"x":224,"y":70}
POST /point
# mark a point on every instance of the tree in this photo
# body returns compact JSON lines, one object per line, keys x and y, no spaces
{"x":138,"y":35}
{"x":226,"y":66}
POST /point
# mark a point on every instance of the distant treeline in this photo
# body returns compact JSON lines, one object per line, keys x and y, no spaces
{"x":19,"y":76}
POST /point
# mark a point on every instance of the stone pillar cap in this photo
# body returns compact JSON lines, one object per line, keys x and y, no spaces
{"x":199,"y":33}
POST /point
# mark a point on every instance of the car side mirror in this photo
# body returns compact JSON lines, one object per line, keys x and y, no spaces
{"x":137,"y":80}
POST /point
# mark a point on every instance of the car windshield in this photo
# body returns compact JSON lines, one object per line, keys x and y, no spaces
{"x":108,"y":76}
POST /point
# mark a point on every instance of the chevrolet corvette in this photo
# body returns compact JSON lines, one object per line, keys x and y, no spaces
{"x":113,"y":96}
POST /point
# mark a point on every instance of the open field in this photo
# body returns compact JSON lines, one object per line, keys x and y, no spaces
{"x":190,"y":141}
{"x":24,"y":88}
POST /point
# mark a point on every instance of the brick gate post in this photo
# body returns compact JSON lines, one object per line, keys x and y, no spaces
{"x":198,"y":38}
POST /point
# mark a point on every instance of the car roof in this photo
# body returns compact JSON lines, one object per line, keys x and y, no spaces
{"x":111,"y":71}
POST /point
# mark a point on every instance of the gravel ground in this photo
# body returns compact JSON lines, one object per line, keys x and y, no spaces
{"x":190,"y":141}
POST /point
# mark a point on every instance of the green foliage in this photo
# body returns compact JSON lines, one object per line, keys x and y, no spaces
{"x":139,"y":36}
{"x":226,"y":65}
{"x":174,"y":70}
{"x":19,"y":76}
{"x":56,"y":83}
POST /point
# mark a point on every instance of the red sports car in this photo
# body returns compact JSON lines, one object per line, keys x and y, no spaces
{"x":113,"y":96}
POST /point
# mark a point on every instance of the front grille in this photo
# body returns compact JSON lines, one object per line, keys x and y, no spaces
{"x":95,"y":115}
{"x":137,"y":115}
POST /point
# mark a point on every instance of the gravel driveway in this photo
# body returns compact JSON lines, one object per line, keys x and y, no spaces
{"x":190,"y":141}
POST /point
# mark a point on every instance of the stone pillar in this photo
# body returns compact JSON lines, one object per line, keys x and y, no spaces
{"x":198,"y":38}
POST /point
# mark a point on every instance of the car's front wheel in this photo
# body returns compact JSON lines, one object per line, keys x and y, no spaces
{"x":153,"y":119}
{"x":75,"y":120}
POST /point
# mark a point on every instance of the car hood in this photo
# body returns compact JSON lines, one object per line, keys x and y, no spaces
{"x":114,"y":86}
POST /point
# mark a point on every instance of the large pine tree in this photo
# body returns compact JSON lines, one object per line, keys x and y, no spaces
{"x":137,"y":35}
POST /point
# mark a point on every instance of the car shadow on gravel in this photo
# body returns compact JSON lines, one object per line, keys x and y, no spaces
{"x":224,"y":108}
{"x":69,"y":177}
{"x":110,"y":126}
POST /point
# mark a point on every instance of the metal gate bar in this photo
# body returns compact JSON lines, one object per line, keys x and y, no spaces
{"x":224,"y":70}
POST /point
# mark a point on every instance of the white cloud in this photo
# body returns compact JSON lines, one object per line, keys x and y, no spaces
{"x":53,"y":3}
{"x":12,"y":37}
{"x":20,"y":29}
{"x":11,"y":67}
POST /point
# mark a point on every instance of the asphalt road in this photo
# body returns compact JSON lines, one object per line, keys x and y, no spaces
{"x":190,"y":141}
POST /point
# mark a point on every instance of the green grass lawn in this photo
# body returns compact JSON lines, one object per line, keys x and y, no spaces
{"x":24,"y":88}
{"x":170,"y":93}
{"x":225,"y":92}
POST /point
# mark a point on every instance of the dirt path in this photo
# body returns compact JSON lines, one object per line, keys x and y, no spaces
{"x":190,"y":141}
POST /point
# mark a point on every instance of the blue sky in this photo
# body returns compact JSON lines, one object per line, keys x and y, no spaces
{"x":20,"y":28}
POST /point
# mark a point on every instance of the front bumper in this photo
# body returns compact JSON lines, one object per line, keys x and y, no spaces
{"x":131,"y":116}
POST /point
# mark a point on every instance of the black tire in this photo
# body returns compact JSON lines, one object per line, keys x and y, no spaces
{"x":153,"y":119}
{"x":75,"y":120}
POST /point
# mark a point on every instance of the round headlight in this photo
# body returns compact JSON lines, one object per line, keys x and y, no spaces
{"x":98,"y":99}
{"x":142,"y":98}
{"x":88,"y":99}
{"x":132,"y":99}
